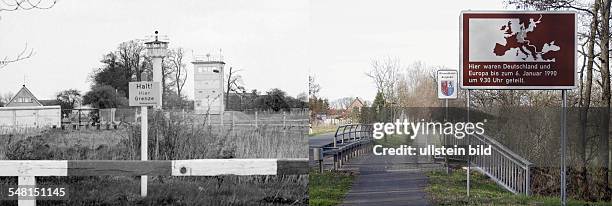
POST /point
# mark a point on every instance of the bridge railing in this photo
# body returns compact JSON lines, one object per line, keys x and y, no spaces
{"x":28,"y":170}
{"x":503,"y":166}
{"x":350,"y":141}
{"x":350,"y":132}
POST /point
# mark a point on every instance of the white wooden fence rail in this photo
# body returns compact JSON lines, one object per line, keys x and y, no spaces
{"x":27,"y":170}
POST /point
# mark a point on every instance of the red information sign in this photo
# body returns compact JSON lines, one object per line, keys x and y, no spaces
{"x":518,"y":50}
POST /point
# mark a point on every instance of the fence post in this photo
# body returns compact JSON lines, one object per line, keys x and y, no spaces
{"x":317,"y":157}
{"x":255,"y":118}
{"x":221,"y":118}
{"x":28,"y":181}
{"x":79,"y":126}
{"x":284,"y":119}
{"x":336,"y":161}
{"x":233,"y":122}
{"x":527,"y":183}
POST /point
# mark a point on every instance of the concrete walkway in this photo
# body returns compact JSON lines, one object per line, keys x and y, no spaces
{"x":390,"y":180}
{"x":387,"y":180}
{"x":321,"y":139}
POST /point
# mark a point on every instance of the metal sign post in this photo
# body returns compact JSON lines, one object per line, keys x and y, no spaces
{"x":563,"y":147}
{"x":468,"y":143}
{"x":446,"y":161}
{"x":446,"y":89}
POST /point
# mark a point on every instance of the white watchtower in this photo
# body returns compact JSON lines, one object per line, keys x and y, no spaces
{"x":208,"y":84}
{"x":157,"y":50}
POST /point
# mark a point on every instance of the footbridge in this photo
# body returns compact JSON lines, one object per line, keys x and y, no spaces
{"x":333,"y":151}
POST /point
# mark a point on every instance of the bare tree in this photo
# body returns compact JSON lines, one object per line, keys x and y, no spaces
{"x":131,"y":55}
{"x":384,"y":73}
{"x":234,"y":84}
{"x":416,"y":86}
{"x":179,"y":75}
{"x":14,"y":5}
{"x":343,"y":103}
{"x":313,"y":87}
{"x":585,"y":97}
{"x":6,"y":97}
{"x":604,"y":57}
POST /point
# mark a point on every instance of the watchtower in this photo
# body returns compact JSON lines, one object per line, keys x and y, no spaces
{"x":208,"y":84}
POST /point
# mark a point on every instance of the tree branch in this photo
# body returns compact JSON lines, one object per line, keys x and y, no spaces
{"x":14,"y":5}
{"x":24,"y":54}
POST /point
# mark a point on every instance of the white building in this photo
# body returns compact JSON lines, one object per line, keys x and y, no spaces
{"x":208,"y":85}
{"x":25,"y":110}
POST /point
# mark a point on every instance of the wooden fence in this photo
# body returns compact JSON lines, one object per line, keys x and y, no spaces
{"x":27,"y":170}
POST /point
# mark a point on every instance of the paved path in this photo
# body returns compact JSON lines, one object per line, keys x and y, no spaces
{"x":321,"y":140}
{"x":390,"y":180}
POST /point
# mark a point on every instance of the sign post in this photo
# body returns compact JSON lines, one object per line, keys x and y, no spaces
{"x":468,"y":143}
{"x":144,"y":145}
{"x":144,"y":94}
{"x":446,"y":89}
{"x":517,"y":50}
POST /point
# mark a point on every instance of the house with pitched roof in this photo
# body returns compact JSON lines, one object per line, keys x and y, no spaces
{"x":25,"y":110}
{"x":357,"y":104}
{"x":23,"y":98}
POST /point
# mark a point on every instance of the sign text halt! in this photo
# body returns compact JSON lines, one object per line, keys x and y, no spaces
{"x":144,"y":94}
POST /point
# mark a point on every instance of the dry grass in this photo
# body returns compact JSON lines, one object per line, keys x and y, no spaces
{"x":169,"y":138}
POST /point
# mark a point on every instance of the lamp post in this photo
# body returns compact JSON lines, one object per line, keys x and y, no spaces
{"x":157,"y":50}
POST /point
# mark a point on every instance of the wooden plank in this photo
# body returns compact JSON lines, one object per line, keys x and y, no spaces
{"x":292,"y":166}
{"x":198,"y":167}
{"x":30,"y":182}
{"x":119,"y":167}
{"x":33,"y":167}
{"x":214,"y":167}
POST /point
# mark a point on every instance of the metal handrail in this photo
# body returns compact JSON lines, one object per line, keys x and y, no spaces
{"x":353,"y":130}
{"x":503,"y":166}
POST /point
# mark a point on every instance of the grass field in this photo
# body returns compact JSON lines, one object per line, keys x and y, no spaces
{"x":169,"y":139}
{"x":322,"y":129}
{"x":451,"y":190}
{"x":329,"y":188}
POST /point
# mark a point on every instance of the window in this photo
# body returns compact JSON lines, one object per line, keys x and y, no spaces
{"x":23,"y":100}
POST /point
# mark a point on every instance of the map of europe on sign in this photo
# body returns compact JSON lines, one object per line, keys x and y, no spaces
{"x":518,"y":50}
{"x":512,"y":42}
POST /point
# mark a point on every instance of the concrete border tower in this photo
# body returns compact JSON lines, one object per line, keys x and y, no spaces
{"x":208,"y":84}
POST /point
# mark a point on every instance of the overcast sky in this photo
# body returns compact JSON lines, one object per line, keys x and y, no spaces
{"x":348,"y":34}
{"x":276,"y":43}
{"x":267,"y":40}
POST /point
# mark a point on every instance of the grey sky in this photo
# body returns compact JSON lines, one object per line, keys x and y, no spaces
{"x":275,"y":43}
{"x":267,"y":39}
{"x":348,"y":34}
